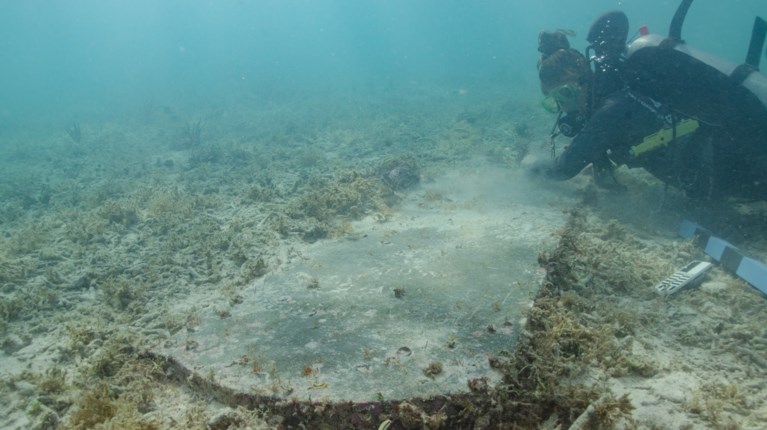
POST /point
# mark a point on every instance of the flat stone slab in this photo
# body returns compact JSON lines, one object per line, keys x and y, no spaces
{"x":412,"y":307}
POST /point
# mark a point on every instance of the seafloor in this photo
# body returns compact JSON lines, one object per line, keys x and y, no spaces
{"x":120,"y":234}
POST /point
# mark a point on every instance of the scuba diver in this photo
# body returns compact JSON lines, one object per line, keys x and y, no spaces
{"x":693,"y":121}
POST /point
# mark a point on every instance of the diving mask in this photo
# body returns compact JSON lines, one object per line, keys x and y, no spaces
{"x":560,"y":98}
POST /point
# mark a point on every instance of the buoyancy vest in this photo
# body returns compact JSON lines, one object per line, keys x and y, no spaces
{"x":696,"y":84}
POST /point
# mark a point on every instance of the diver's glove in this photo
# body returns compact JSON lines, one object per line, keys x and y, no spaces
{"x":607,"y":181}
{"x":604,"y":175}
{"x":542,"y":168}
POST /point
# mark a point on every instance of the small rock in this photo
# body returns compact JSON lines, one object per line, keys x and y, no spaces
{"x":46,"y":420}
{"x":713,"y":287}
{"x":24,"y":387}
{"x":224,"y":419}
{"x":82,"y":283}
{"x":13,"y":343}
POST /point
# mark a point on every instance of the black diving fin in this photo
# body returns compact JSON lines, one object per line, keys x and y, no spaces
{"x":758,"y":34}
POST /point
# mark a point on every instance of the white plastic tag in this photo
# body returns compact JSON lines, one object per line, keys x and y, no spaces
{"x":690,"y":274}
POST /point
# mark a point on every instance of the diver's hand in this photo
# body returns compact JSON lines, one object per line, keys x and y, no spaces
{"x":539,"y":167}
{"x":607,"y":181}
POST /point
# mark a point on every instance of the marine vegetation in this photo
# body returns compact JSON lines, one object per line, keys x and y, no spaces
{"x":82,"y":263}
{"x":190,"y":136}
{"x":118,"y":213}
{"x":74,"y":132}
{"x":399,"y":173}
{"x":323,"y":209}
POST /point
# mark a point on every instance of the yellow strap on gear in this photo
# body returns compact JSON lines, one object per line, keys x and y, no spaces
{"x":664,"y":136}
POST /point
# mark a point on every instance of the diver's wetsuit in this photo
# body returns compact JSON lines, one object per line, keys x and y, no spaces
{"x":705,"y":163}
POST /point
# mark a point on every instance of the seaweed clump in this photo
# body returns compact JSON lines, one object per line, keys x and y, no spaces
{"x":565,"y":336}
{"x":399,"y":173}
{"x":121,"y":293}
{"x":93,"y":408}
{"x":118,"y":213}
{"x":329,"y":204}
{"x":74,"y":132}
{"x":190,"y":136}
{"x":123,"y":388}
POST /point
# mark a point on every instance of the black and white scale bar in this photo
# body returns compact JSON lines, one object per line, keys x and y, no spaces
{"x":728,"y":255}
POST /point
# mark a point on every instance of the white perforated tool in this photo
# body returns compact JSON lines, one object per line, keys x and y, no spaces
{"x":690,"y":274}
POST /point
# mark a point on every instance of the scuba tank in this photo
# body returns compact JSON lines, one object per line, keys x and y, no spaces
{"x":697,"y":84}
{"x":607,"y":42}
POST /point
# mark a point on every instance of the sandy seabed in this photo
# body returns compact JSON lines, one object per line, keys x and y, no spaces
{"x":117,"y":239}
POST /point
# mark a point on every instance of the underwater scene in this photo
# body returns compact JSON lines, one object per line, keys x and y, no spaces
{"x":383,"y":214}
